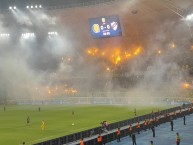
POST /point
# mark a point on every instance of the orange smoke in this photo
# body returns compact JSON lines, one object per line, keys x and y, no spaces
{"x":191,"y":47}
{"x":92,"y":51}
{"x":114,"y":55}
{"x":172,"y":45}
{"x":62,"y":89}
{"x":186,"y":86}
{"x":137,"y":51}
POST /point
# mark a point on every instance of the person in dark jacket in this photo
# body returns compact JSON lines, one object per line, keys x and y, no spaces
{"x":172,"y":125}
{"x":28,"y":120}
{"x":134,"y":139}
{"x":184,"y":118}
{"x":153,"y":130}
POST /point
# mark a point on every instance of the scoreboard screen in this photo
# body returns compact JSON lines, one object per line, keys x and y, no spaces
{"x":107,"y":26}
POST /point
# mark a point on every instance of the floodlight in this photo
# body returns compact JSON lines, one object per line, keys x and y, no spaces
{"x":4,"y":35}
{"x":40,"y":6}
{"x":32,"y":7}
{"x":10,"y":8}
{"x":14,"y":7}
{"x":36,"y":6}
{"x":189,"y":17}
{"x":27,"y":7}
{"x":28,"y":35}
{"x":52,"y":34}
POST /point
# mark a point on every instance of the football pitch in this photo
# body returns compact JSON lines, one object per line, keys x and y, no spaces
{"x":58,"y":120}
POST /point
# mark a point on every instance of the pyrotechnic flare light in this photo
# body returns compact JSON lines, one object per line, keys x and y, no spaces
{"x":127,"y":54}
{"x":186,"y":85}
{"x":69,"y":59}
{"x":103,"y":53}
{"x":172,"y":45}
{"x":116,"y":56}
{"x":137,"y":51}
{"x":117,"y":60}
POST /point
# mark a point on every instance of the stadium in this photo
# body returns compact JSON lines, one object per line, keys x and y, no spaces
{"x":69,"y":67}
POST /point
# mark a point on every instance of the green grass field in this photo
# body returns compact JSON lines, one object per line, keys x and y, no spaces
{"x":58,"y":120}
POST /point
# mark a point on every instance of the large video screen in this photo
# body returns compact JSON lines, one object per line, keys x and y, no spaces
{"x":107,"y":26}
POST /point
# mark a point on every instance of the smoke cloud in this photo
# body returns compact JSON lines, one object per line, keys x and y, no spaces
{"x":46,"y":66}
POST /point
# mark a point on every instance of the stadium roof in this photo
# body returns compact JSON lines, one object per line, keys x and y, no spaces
{"x":4,"y":4}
